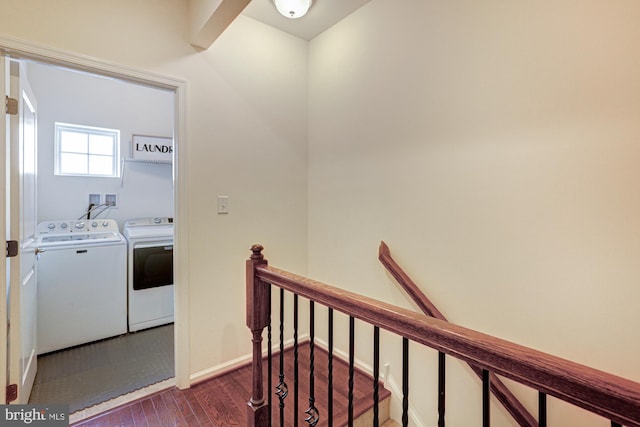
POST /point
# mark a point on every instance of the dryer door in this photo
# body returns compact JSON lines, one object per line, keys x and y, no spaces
{"x":152,"y":267}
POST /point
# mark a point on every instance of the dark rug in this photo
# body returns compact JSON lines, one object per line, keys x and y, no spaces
{"x":93,"y":373}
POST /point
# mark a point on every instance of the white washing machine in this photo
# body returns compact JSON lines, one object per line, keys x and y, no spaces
{"x":150,"y":278}
{"x":82,"y":282}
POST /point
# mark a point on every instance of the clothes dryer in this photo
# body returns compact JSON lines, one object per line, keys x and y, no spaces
{"x":150,"y":271}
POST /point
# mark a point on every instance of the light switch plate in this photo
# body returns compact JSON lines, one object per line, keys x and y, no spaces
{"x":223,"y":204}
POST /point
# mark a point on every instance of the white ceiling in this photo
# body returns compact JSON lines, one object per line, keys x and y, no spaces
{"x":322,"y":15}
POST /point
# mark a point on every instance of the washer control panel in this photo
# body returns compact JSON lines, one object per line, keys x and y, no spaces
{"x":78,"y":226}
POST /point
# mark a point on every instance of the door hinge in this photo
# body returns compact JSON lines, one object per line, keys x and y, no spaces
{"x":12,"y":248}
{"x":12,"y":392}
{"x":10,"y":106}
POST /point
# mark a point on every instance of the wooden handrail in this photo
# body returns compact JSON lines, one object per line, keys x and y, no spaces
{"x":610,"y":396}
{"x":498,"y":388}
{"x":414,"y":291}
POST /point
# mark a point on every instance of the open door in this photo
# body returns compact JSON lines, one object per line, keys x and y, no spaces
{"x":21,"y":220}
{"x":4,"y":312}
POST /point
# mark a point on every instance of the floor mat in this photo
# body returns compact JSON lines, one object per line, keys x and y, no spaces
{"x":93,"y":373}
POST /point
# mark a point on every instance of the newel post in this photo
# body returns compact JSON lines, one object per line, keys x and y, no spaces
{"x":258,"y":314}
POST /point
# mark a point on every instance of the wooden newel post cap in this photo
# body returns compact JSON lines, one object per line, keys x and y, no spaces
{"x":256,"y":251}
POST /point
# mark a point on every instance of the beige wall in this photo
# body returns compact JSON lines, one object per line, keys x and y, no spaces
{"x":494,"y":146}
{"x":246,"y":139}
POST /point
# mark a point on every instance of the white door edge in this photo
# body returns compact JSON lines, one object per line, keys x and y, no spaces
{"x":3,"y":237}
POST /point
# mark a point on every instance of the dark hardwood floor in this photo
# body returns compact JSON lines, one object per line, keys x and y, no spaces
{"x":222,"y":401}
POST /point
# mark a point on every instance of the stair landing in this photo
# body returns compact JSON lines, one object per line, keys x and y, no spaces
{"x":221,"y":401}
{"x":362,"y":389}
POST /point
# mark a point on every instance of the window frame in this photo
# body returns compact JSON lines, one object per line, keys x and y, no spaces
{"x":114,"y":134}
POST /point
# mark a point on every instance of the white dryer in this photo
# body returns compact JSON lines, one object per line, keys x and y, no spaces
{"x":150,"y":277}
{"x":82,"y":282}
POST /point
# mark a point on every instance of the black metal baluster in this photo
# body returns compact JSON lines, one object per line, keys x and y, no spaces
{"x":281,"y":389}
{"x":269,"y":369}
{"x":330,"y":373}
{"x":376,"y":374}
{"x":441,"y":387}
{"x":351,"y":368}
{"x":295,"y":361}
{"x":542,"y":409}
{"x":614,"y":424}
{"x":312,"y":411}
{"x":486,"y":387}
{"x":405,"y":382}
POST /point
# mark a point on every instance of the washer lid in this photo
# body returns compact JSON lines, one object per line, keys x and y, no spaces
{"x":78,"y":239}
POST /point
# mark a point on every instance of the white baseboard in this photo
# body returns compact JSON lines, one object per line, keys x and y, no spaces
{"x":365,"y":367}
{"x":396,"y":403}
{"x":238,"y":362}
{"x":218,"y":370}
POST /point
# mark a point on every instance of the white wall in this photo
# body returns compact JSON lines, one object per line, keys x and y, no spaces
{"x":246,"y":138}
{"x":494,"y":146}
{"x":78,"y":98}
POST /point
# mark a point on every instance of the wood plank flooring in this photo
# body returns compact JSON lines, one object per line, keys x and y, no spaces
{"x":221,"y":402}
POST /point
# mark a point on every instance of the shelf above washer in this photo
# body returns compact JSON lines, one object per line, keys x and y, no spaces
{"x":130,"y":160}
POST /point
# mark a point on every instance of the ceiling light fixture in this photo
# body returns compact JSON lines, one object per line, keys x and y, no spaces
{"x":293,"y":8}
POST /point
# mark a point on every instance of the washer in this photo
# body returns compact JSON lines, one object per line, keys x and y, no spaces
{"x":82,"y":282}
{"x":150,"y":277}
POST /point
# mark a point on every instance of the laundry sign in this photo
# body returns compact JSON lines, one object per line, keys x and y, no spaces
{"x":152,"y":148}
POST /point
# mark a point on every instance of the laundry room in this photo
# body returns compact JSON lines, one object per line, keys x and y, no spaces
{"x":76,"y":98}
{"x":104,"y":197}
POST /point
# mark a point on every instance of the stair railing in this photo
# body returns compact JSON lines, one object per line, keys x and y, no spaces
{"x":499,"y":389}
{"x":610,"y":396}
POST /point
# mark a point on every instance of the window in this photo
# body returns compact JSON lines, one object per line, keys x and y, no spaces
{"x":86,"y":151}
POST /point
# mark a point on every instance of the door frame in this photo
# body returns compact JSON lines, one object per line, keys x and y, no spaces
{"x":20,"y":49}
